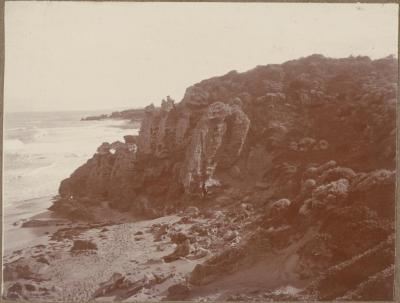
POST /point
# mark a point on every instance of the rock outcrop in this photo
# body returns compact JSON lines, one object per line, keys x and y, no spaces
{"x":217,"y":141}
{"x":258,"y":127}
{"x":104,"y":177}
{"x":304,"y":152}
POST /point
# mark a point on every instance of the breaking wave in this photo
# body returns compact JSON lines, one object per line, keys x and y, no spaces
{"x":40,"y":153}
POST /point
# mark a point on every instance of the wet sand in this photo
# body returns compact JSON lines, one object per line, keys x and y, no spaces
{"x":17,"y":237}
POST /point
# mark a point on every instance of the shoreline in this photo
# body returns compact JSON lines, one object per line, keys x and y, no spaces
{"x":18,"y":212}
{"x":30,"y":230}
{"x":49,"y":267}
{"x":153,"y":258}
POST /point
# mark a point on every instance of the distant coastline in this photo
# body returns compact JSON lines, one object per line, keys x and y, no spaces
{"x":129,"y":114}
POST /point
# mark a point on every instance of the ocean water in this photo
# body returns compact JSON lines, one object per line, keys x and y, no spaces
{"x":41,"y":149}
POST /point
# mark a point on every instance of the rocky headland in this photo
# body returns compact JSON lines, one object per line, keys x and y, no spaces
{"x":273,"y":184}
{"x":129,"y":114}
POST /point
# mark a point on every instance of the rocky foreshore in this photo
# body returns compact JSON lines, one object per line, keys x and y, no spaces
{"x":273,"y":184}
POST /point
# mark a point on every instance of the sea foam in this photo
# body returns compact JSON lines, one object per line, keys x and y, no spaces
{"x":40,"y":153}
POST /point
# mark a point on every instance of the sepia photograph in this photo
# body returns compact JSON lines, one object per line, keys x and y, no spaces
{"x":199,"y":151}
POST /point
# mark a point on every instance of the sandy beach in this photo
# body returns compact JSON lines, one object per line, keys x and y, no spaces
{"x":50,"y":268}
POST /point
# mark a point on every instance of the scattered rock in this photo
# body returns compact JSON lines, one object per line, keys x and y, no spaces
{"x":30,"y":287}
{"x":178,"y":237}
{"x":226,"y":262}
{"x":43,"y":260}
{"x":109,"y":286}
{"x":178,"y":292}
{"x":160,"y":231}
{"x":19,"y":270}
{"x":83,"y":245}
{"x":199,"y":253}
{"x":281,"y":204}
{"x":123,"y":288}
{"x":15,"y":291}
{"x":182,"y":250}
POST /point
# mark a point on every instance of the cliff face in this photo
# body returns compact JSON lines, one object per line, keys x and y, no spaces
{"x":103,"y":177}
{"x":308,"y":144}
{"x":245,"y":128}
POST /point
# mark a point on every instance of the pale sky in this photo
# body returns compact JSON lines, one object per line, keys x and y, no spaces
{"x":87,"y":55}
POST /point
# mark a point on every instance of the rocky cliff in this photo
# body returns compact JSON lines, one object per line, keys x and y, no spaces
{"x":308,"y":147}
